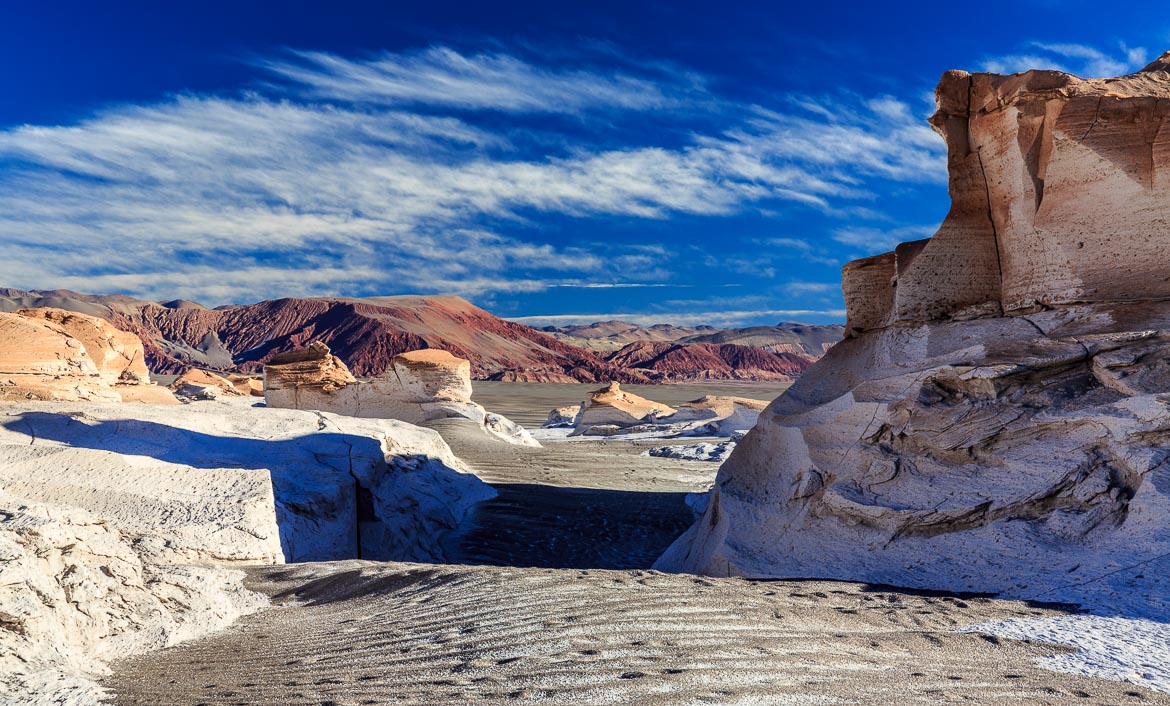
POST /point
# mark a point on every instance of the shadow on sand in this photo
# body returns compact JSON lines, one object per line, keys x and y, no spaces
{"x":552,"y":527}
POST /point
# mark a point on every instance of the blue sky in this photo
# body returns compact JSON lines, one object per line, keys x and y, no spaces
{"x":679,"y":162}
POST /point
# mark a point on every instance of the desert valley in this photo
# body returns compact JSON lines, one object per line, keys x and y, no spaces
{"x":960,"y":494}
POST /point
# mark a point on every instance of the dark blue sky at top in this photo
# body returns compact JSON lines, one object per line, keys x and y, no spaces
{"x":754,"y":249}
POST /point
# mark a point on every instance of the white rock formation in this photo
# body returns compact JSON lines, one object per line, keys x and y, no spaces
{"x":611,"y":406}
{"x":612,"y":411}
{"x":77,"y":592}
{"x":119,"y":524}
{"x":709,"y":451}
{"x":421,"y":386}
{"x":564,"y":417}
{"x":998,"y":421}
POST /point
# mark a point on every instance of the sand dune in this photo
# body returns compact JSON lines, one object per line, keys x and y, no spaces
{"x":367,"y":633}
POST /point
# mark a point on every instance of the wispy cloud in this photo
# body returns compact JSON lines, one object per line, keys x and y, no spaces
{"x":1077,"y":59}
{"x":359,"y":176}
{"x":872,"y":241}
{"x":440,"y":76}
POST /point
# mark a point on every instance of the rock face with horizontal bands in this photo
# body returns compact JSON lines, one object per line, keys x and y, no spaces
{"x":421,"y":386}
{"x":52,"y":354}
{"x":998,"y":420}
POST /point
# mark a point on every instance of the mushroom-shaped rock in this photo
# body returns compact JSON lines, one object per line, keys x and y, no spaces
{"x":421,"y":386}
{"x":432,"y":374}
{"x":613,"y":406}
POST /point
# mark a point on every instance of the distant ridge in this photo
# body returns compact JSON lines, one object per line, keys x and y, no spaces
{"x":367,"y":333}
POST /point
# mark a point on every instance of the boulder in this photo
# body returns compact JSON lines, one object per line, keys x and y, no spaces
{"x":52,"y":354}
{"x":421,"y":386}
{"x":564,"y":417}
{"x":204,"y":385}
{"x":250,"y":385}
{"x":998,"y":421}
{"x":613,"y":406}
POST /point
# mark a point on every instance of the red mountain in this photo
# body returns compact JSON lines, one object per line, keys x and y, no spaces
{"x":709,"y":361}
{"x":367,"y":333}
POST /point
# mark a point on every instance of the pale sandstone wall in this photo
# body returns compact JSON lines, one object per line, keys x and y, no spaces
{"x":51,"y":354}
{"x":1059,"y":195}
{"x":868,"y":286}
{"x":958,"y":447}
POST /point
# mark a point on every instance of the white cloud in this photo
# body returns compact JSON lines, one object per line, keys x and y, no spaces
{"x":283,"y":192}
{"x":440,"y":76}
{"x":872,"y":241}
{"x":1077,"y":59}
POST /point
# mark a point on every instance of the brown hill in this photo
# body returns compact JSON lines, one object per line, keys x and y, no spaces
{"x":675,"y":362}
{"x":365,"y":333}
{"x":787,"y":337}
{"x":612,"y":335}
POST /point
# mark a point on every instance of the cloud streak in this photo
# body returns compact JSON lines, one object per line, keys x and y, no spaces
{"x":1077,"y":59}
{"x":367,"y":176}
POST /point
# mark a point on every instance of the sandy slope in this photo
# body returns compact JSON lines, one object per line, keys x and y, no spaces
{"x":349,"y":633}
{"x":368,"y":633}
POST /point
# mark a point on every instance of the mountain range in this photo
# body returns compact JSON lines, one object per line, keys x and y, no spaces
{"x":367,"y":333}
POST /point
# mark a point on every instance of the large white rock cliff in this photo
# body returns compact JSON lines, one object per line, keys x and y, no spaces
{"x":997,"y":419}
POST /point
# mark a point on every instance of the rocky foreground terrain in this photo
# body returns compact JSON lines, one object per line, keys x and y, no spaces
{"x":367,"y":333}
{"x":994,"y":427}
{"x":999,"y":418}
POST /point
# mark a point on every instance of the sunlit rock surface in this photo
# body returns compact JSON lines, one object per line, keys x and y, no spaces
{"x":421,"y":386}
{"x":120,"y":525}
{"x":52,"y":354}
{"x":998,"y":420}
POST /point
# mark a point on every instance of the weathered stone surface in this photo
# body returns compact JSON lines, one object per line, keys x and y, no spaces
{"x":613,"y":406}
{"x":1010,"y":438}
{"x":114,"y":517}
{"x":50,"y":354}
{"x":1058,"y":194}
{"x":868,"y":286}
{"x":204,"y":385}
{"x":76,"y":593}
{"x":421,"y":386}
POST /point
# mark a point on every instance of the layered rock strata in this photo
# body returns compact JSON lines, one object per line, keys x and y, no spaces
{"x":998,"y":420}
{"x":421,"y":386}
{"x":51,"y":354}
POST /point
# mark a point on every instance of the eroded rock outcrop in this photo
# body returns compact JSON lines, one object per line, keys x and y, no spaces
{"x":611,"y":406}
{"x":199,"y":384}
{"x":121,"y":525}
{"x":52,"y":354}
{"x":612,"y":411}
{"x":998,"y":420}
{"x":421,"y":386}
